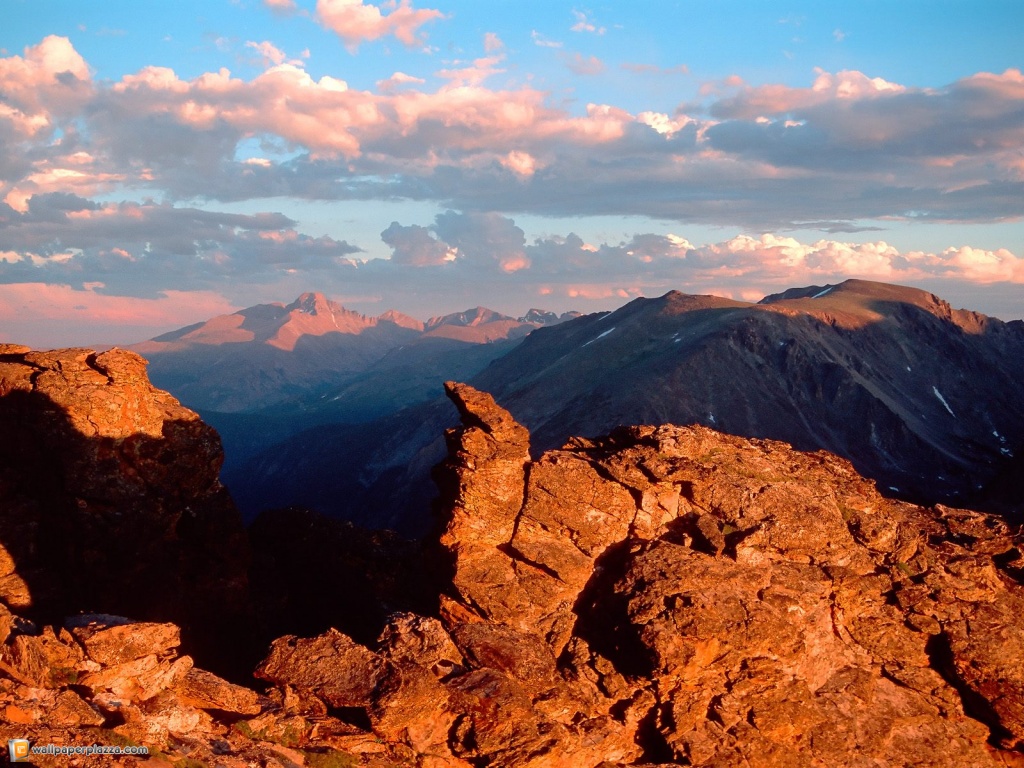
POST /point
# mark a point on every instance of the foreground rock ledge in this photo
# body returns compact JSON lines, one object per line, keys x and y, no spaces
{"x":663,"y":595}
{"x":674,"y":595}
{"x":110,"y":501}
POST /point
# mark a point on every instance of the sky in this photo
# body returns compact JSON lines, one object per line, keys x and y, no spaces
{"x":162,"y":163}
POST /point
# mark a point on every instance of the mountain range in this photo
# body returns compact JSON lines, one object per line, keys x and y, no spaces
{"x":921,"y":397}
{"x":270,"y":354}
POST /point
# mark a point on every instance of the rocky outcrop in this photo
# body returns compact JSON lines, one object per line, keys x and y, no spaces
{"x":662,"y":595}
{"x":110,"y":681}
{"x":110,"y":501}
{"x":672,"y":594}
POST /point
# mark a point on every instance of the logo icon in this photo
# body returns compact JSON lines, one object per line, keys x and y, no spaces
{"x":17,"y":749}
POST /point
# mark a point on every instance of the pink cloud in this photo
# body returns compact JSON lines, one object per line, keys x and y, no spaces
{"x":584,"y":65}
{"x":492,"y":43}
{"x":474,"y":74}
{"x":356,"y":22}
{"x":773,"y":99}
{"x":281,"y":6}
{"x":270,"y":53}
{"x":584,"y":24}
{"x":50,"y":80}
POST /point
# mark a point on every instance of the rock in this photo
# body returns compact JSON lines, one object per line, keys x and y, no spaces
{"x":338,"y":670}
{"x":44,"y":660}
{"x":110,"y":501}
{"x":202,"y":689}
{"x":139,"y":679}
{"x":125,"y":640}
{"x":659,"y":596}
{"x":72,"y":711}
{"x":420,"y":640}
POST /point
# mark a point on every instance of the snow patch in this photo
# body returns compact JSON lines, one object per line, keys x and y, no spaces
{"x":711,"y":418}
{"x":601,"y":336}
{"x":821,"y":293}
{"x":943,"y":401}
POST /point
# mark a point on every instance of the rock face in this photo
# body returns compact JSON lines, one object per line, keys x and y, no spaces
{"x":83,"y":685}
{"x":671,"y":594}
{"x":662,"y":595}
{"x":109,"y":500}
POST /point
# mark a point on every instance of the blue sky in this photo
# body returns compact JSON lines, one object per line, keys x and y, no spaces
{"x":162,"y":162}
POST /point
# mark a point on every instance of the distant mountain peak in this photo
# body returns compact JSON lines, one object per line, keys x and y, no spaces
{"x":468,"y":318}
{"x":313,"y":304}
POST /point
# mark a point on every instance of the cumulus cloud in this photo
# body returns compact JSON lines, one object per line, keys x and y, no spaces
{"x":846,"y":149}
{"x":356,"y":22}
{"x":416,"y":246}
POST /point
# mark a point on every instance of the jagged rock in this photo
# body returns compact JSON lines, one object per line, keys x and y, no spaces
{"x":662,"y":595}
{"x":420,"y":640}
{"x":43,"y":661}
{"x":205,"y":690}
{"x":139,"y":679}
{"x":340,"y":671}
{"x":115,"y":640}
{"x":109,"y":500}
{"x":72,"y":711}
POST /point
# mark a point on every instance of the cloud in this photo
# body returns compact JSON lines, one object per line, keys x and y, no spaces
{"x":38,"y":313}
{"x":844,"y":152}
{"x":416,"y":246}
{"x":543,"y":42}
{"x":473,"y":74}
{"x":281,"y":6}
{"x":653,"y":69}
{"x":356,"y":22}
{"x":490,"y":251}
{"x":268,"y":52}
{"x":145,"y":261}
{"x":580,"y":65}
{"x":492,"y":43}
{"x":146,"y":249}
{"x":584,"y":24}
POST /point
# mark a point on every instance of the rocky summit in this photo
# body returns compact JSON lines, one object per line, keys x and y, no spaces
{"x":660,"y":596}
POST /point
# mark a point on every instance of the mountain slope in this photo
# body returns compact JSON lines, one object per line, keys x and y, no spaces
{"x":922,"y":398}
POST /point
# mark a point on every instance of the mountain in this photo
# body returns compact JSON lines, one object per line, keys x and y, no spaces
{"x":304,"y":354}
{"x":922,"y":398}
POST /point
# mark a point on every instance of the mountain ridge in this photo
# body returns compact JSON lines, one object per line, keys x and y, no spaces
{"x":269,"y":354}
{"x":922,"y":398}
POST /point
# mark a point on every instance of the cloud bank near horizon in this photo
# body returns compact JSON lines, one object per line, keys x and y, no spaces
{"x":459,"y":260}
